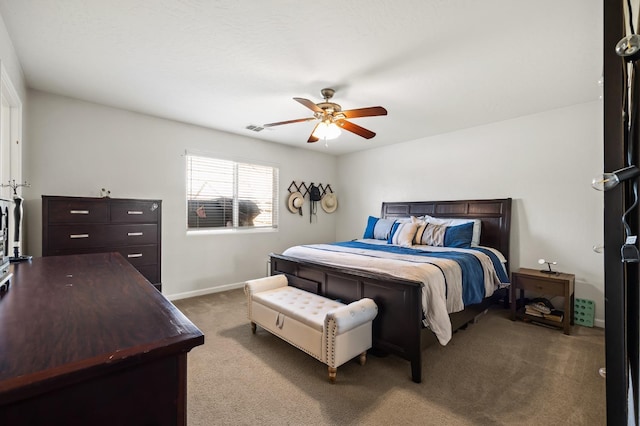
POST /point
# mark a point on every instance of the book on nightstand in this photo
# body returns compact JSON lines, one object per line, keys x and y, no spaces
{"x":543,"y":308}
{"x":554,"y":315}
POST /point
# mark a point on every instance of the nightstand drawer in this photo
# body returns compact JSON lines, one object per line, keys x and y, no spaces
{"x":539,"y":285}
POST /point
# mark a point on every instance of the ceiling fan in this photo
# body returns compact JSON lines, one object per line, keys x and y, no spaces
{"x":331,"y":117}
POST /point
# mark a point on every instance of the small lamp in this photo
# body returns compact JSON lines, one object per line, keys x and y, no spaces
{"x":547,"y":271}
{"x":607,"y":181}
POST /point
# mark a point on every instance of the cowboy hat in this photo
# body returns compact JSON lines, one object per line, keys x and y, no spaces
{"x":295,"y":201}
{"x":329,"y":202}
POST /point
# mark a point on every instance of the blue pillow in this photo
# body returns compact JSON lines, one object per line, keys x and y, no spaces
{"x":371,"y":224}
{"x":459,"y":236}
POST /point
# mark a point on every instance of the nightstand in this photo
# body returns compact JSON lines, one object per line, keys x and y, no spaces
{"x":540,"y":283}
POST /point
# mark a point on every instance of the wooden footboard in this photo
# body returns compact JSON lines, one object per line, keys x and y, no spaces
{"x":398,"y":327}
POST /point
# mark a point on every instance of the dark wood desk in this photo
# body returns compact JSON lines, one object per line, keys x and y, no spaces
{"x":86,"y":339}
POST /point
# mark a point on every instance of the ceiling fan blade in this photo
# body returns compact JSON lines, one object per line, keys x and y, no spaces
{"x":309,"y":104}
{"x":279,"y":123}
{"x":354,"y":128}
{"x":365,"y":112}
{"x":311,"y":137}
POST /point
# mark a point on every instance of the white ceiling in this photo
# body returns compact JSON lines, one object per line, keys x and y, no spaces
{"x":436,"y":65}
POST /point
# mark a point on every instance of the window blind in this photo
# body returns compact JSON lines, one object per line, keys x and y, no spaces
{"x":228,"y":194}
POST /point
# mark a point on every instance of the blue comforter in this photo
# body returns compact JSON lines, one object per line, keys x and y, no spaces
{"x":472,"y":273}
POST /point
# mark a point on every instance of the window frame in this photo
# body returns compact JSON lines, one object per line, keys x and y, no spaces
{"x":275,"y":214}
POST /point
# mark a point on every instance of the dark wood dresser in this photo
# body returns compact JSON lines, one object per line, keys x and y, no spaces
{"x":76,"y":225}
{"x":85,"y":340}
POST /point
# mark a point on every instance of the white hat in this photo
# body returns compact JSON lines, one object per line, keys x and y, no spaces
{"x":295,"y":202}
{"x":329,"y":202}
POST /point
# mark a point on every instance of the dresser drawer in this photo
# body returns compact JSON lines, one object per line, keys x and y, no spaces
{"x":539,"y":285}
{"x":139,"y":255}
{"x":132,"y":235}
{"x":93,"y":235}
{"x":134,"y":211}
{"x":77,"y":211}
{"x":77,"y":236}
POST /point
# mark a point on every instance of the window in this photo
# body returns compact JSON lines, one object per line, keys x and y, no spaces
{"x":227,"y":194}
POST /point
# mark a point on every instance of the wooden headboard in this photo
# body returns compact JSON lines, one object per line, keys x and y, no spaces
{"x":495,"y":216}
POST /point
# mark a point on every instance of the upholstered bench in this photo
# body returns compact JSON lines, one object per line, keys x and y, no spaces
{"x":330,"y":331}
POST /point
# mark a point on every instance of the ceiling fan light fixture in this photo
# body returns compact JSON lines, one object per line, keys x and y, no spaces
{"x":327,"y":131}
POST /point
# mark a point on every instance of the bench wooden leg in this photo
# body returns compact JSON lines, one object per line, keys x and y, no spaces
{"x":332,"y":374}
{"x":253,"y":327}
{"x":363,"y":358}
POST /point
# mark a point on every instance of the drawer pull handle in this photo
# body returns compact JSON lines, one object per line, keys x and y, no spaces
{"x":134,"y":234}
{"x":79,"y":211}
{"x":134,"y":212}
{"x":135,"y":255}
{"x":79,"y":236}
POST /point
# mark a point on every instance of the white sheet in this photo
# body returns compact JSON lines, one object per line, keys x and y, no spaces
{"x":435,"y":305}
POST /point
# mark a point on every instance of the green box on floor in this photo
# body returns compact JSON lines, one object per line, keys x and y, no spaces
{"x":583,"y":312}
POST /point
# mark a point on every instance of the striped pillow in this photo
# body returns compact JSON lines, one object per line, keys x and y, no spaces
{"x":429,"y":234}
{"x":402,"y":234}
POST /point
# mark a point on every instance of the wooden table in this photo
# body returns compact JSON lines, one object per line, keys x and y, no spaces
{"x":541,"y":283}
{"x":86,"y":339}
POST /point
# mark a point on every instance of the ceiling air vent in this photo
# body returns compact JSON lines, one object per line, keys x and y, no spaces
{"x":254,"y":128}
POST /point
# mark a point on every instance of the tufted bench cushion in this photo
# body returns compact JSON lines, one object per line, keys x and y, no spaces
{"x":328,"y":330}
{"x":308,"y":308}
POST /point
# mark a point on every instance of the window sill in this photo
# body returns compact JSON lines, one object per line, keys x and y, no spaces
{"x":229,"y":231}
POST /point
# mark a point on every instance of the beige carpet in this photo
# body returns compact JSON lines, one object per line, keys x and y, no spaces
{"x":497,"y":372}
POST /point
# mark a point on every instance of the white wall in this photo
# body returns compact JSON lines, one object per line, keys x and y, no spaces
{"x":10,"y":63}
{"x":545,"y":162}
{"x":76,"y":148}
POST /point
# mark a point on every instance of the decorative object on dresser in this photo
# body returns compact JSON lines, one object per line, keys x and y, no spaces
{"x":5,"y":270}
{"x":17,"y":220}
{"x":543,"y":283}
{"x":132,"y":227}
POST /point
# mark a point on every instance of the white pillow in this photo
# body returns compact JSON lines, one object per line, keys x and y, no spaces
{"x":403,"y":234}
{"x":475,"y":239}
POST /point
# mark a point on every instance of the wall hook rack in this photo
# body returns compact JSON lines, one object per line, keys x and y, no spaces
{"x":303,"y":189}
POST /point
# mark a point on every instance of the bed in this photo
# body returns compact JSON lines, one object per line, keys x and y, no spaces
{"x":399,"y":328}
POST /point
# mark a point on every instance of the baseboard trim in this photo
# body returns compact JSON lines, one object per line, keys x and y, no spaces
{"x":204,"y":291}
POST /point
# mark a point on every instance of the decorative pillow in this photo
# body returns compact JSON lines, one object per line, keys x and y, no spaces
{"x":382,"y":230}
{"x":477,"y":225}
{"x":422,"y":225}
{"x":432,"y":235}
{"x":371,"y":223}
{"x":402,"y":234}
{"x":378,"y":229}
{"x":459,"y":236}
